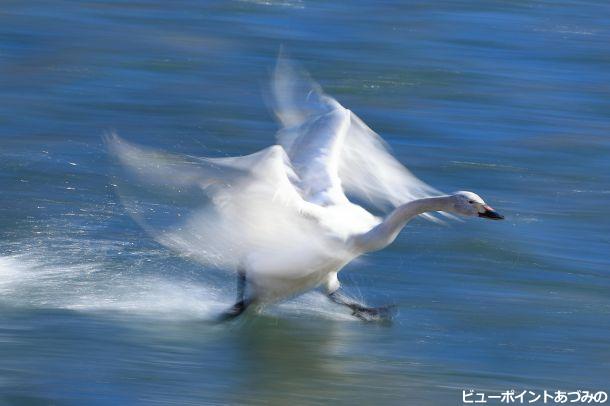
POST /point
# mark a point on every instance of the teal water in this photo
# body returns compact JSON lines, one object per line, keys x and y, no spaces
{"x":508,"y":99}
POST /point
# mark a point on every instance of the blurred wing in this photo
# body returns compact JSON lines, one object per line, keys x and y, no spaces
{"x":369,"y":171}
{"x":296,"y":98}
{"x":176,"y":171}
{"x":332,"y":149}
{"x":222,"y":212}
{"x":314,"y":130}
{"x":314,"y":148}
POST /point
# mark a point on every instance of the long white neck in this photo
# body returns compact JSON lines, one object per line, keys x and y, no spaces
{"x":386,"y":232}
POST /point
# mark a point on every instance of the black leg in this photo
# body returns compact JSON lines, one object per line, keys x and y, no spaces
{"x":235,"y":310}
{"x":241,"y":284}
{"x":242,"y":304}
{"x":362,"y":312}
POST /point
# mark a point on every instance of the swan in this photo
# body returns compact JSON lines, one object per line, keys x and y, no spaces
{"x":281,"y":218}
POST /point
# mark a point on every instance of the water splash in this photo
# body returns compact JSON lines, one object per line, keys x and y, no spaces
{"x":28,"y":281}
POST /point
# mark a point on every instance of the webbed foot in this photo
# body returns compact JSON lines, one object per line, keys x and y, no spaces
{"x":384,"y":313}
{"x":235,"y":310}
{"x":362,"y":312}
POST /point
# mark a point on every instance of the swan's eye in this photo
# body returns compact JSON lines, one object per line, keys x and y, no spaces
{"x":471,"y":201}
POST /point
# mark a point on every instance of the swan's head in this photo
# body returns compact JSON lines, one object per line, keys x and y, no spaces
{"x":471,"y":204}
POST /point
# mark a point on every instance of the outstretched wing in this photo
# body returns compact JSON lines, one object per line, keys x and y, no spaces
{"x":314,"y":130}
{"x":222,"y":212}
{"x":332,"y":150}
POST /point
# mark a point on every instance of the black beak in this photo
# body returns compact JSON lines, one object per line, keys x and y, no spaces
{"x":491,"y":214}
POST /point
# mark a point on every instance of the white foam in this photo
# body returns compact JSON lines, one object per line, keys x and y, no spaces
{"x":27,"y":282}
{"x":38,"y":281}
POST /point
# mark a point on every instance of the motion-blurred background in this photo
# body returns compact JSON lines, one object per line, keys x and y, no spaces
{"x":508,"y":99}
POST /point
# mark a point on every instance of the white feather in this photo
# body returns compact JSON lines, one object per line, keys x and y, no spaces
{"x":333,"y":151}
{"x":282,"y":214}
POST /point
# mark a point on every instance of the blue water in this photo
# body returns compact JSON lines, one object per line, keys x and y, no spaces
{"x":508,"y":99}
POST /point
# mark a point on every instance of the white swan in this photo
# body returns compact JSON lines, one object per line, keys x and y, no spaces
{"x":281,"y":217}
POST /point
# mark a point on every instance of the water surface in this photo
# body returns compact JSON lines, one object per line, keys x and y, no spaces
{"x":508,"y":99}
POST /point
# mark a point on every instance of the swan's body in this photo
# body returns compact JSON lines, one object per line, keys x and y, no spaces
{"x":282,"y":216}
